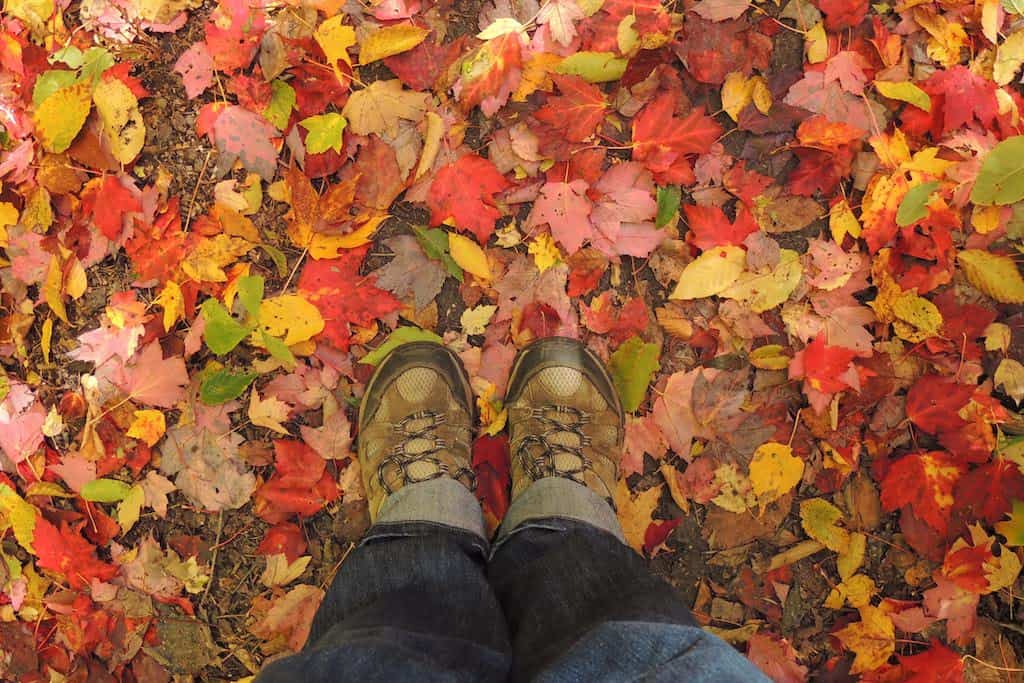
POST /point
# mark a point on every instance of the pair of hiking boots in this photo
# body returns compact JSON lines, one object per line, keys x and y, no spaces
{"x":416,"y":419}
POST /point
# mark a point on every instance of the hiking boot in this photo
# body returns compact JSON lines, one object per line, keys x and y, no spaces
{"x":415,"y":422}
{"x":564,"y":417}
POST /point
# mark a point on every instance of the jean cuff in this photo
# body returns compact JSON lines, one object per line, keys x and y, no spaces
{"x":561,"y":498}
{"x":441,"y":501}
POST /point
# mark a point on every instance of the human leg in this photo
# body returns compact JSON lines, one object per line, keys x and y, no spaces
{"x":412,"y":601}
{"x":580,"y":604}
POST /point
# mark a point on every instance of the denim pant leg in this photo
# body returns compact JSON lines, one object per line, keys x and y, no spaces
{"x":410,"y":603}
{"x":582,"y":606}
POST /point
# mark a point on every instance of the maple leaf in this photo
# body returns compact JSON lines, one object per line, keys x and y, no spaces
{"x":565,"y":208}
{"x":491,"y":465}
{"x":662,"y":141}
{"x":579,"y":110}
{"x":332,"y":286}
{"x":490,"y":74}
{"x":710,"y":228}
{"x":712,"y":50}
{"x":635,"y":512}
{"x":776,"y":658}
{"x":973,"y":566}
{"x":410,"y":272}
{"x":289,"y":616}
{"x":937,"y":664}
{"x":840,"y":14}
{"x":464,"y":192}
{"x":245,"y":136}
{"x":154,"y":380}
{"x":112,"y":202}
{"x":65,"y":552}
{"x":379,"y":107}
{"x":285,"y":538}
{"x":157,"y":250}
{"x":300,"y":484}
{"x":196,"y":68}
{"x":420,"y":67}
{"x":21,"y":422}
{"x":872,"y":639}
{"x":560,"y":16}
{"x":957,"y":606}
{"x":987,"y":492}
{"x":925,"y":482}
{"x":934,"y":403}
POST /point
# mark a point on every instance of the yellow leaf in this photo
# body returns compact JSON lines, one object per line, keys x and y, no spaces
{"x":123,"y":126}
{"x":76,"y":281}
{"x":53,"y":291}
{"x":917,"y":318}
{"x":545,"y":252}
{"x":856,"y":591}
{"x":290,"y":318}
{"x":48,"y":488}
{"x":816,"y":44}
{"x":774,"y":471}
{"x":842,"y":222}
{"x":468,"y":254}
{"x":635,"y":513}
{"x":985,"y":219}
{"x":905,"y":91}
{"x":19,"y":516}
{"x":994,"y":275}
{"x":1010,"y":376}
{"x":207,"y":260}
{"x":280,"y":572}
{"x":710,"y":273}
{"x":130,"y":507}
{"x":536,"y":75}
{"x":474,"y":320}
{"x":61,"y":116}
{"x":760,"y":94}
{"x":737,"y":93}
{"x":872,"y":639}
{"x":431,"y":143}
{"x":850,"y":560}
{"x":378,"y":108}
{"x":35,"y":13}
{"x":8,"y":217}
{"x":997,"y":337}
{"x":990,"y":20}
{"x":268,"y":412}
{"x":334,"y":39}
{"x":735,"y":493}
{"x":819,"y":519}
{"x":45,"y":337}
{"x":148,"y":426}
{"x":763,"y":291}
{"x":173,"y":303}
{"x":391,"y":40}
{"x":769,"y":357}
{"x":947,"y":38}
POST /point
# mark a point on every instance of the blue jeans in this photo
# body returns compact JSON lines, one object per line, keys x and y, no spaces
{"x":556,"y":599}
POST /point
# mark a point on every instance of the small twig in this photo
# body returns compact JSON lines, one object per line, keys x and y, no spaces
{"x":195,"y":191}
{"x":213,"y":560}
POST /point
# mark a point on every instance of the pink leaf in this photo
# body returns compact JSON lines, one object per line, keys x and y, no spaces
{"x":196,"y":68}
{"x":152,"y":379}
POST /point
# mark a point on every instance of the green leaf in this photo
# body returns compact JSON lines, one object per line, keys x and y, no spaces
{"x":1001,"y":179}
{"x":105,"y":490}
{"x":221,"y":386}
{"x":914,"y":206}
{"x":96,"y":61}
{"x":5,"y":386}
{"x":632,"y":366}
{"x":282,"y":101}
{"x":279,"y":259}
{"x":402,"y":335}
{"x":435,"y":245}
{"x":222,"y":332}
{"x":668,"y":204}
{"x":325,"y":132}
{"x":250,"y":292}
{"x":70,"y":55}
{"x":593,"y":67}
{"x":1013,"y":528}
{"x":1014,"y":6}
{"x":50,"y":82}
{"x":278,"y":349}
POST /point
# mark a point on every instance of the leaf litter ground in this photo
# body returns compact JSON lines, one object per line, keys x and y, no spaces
{"x":754,"y":557}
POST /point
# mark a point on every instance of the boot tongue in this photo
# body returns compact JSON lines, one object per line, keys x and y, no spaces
{"x":416,"y":385}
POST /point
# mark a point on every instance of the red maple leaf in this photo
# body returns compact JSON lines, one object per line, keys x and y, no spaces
{"x":68,"y":554}
{"x":662,"y":141}
{"x":710,"y":228}
{"x":464,"y":192}
{"x":711,"y":50}
{"x":490,"y":74}
{"x":300,"y":485}
{"x":966,"y":567}
{"x":840,"y":14}
{"x":491,"y":464}
{"x":156,"y":250}
{"x":285,"y":538}
{"x":933,"y":403}
{"x":618,"y":322}
{"x":937,"y":664}
{"x":420,"y":67}
{"x":745,"y":184}
{"x":823,"y":365}
{"x":959,"y":98}
{"x":987,"y":492}
{"x":109,"y":203}
{"x":577,"y":112}
{"x":344,"y":297}
{"x":923,"y":481}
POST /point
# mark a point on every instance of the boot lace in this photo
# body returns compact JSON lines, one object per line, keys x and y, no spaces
{"x":562,"y":434}
{"x":417,"y":449}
